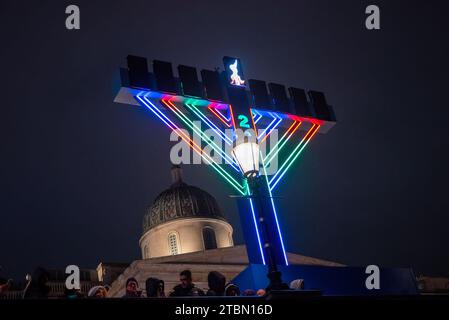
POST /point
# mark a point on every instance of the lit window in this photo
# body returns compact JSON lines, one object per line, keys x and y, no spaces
{"x":173,"y":243}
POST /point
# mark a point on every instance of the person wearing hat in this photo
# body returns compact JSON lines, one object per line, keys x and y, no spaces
{"x":97,"y":292}
{"x":297,"y":284}
{"x":217,"y":282}
{"x":231,"y":290}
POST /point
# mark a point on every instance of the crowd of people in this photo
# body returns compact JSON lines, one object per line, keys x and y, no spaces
{"x":186,"y":288}
{"x":153,"y":288}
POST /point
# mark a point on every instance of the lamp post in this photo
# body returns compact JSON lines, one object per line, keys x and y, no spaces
{"x":246,"y":154}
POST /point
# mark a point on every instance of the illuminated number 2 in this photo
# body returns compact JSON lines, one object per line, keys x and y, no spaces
{"x":243,"y":121}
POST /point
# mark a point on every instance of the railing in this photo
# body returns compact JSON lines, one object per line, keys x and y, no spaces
{"x":12,"y":295}
{"x":58,"y":288}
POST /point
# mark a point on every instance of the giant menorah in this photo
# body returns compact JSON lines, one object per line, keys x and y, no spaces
{"x":223,"y":103}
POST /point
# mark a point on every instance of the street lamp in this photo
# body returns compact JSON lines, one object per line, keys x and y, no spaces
{"x":246,"y":154}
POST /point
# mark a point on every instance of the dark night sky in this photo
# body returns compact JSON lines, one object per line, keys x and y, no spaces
{"x":77,"y":170}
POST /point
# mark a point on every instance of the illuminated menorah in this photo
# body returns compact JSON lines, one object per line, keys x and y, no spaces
{"x":221,"y":101}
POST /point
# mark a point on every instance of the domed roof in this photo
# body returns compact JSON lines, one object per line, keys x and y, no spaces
{"x":180,"y":201}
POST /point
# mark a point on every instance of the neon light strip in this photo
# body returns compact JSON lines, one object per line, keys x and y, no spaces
{"x":168,"y":122}
{"x":275,"y":212}
{"x":295,"y":125}
{"x":209,"y":123}
{"x":189,"y":123}
{"x":292,"y":157}
{"x":191,"y":143}
{"x":252,"y":120}
{"x":232,"y":116}
{"x":255,"y":225}
{"x":157,"y":113}
{"x":263,"y":132}
{"x":219,"y":116}
{"x":208,"y":159}
{"x":193,"y":127}
{"x":274,"y":127}
{"x":257,"y":114}
{"x":228,"y":119}
{"x":306,"y":136}
{"x":281,"y":143}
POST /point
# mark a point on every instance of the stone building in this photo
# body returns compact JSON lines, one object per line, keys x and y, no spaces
{"x":183,"y":219}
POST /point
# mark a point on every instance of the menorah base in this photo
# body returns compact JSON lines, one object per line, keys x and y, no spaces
{"x":338,"y":280}
{"x":276,"y":283}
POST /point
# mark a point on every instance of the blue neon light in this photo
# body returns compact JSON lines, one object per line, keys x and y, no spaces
{"x":228,"y":159}
{"x":257,"y":229}
{"x":276,"y":124}
{"x":214,"y":146}
{"x":274,"y":211}
{"x":174,"y":127}
{"x":210,"y":124}
{"x":227,"y":118}
{"x":157,"y":112}
{"x":256,"y":114}
{"x":268,"y":127}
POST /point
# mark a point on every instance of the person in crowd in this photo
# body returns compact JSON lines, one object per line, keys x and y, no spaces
{"x":186,"y":287}
{"x":107,"y":287}
{"x":261,"y":292}
{"x":154,"y":287}
{"x":73,"y":293}
{"x":5,"y":286}
{"x":98,"y":292}
{"x":132,"y":288}
{"x":297,"y":284}
{"x":249,"y":292}
{"x":231,"y":290}
{"x":38,"y":288}
{"x":216,"y":282}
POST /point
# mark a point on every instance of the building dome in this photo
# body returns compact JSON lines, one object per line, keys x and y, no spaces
{"x":180,"y":201}
{"x":183,"y":219}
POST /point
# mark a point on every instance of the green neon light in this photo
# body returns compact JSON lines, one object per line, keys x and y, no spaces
{"x":274,"y":151}
{"x":293,"y":156}
{"x":219,"y":169}
{"x":230,"y":180}
{"x":190,"y":124}
{"x":201,"y":115}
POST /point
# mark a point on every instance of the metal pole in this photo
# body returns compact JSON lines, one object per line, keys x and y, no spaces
{"x":273,"y":275}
